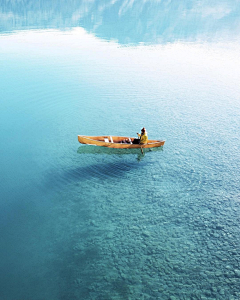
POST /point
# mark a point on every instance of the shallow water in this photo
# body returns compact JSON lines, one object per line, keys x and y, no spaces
{"x":82,"y":222}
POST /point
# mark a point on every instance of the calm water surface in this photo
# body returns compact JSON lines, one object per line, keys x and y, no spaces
{"x":81,"y":222}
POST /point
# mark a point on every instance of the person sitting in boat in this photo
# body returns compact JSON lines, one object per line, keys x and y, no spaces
{"x":143,"y":138}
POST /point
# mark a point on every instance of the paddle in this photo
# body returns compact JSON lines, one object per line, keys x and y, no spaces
{"x":139,"y":143}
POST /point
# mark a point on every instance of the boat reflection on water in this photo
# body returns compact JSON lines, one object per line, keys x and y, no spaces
{"x":91,"y":149}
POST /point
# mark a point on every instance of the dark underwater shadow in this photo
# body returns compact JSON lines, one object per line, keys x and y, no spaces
{"x":98,"y":170}
{"x":94,"y":171}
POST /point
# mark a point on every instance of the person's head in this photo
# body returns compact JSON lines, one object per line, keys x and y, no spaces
{"x":143,"y":130}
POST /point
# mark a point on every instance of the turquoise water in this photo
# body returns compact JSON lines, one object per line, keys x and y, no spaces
{"x":81,"y":222}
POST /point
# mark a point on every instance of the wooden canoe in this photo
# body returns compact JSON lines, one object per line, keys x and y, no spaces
{"x":117,"y":142}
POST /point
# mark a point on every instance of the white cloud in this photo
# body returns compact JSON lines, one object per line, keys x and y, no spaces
{"x":217,"y":12}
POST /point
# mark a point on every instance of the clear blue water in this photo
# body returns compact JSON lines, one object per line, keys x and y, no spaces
{"x":81,"y":222}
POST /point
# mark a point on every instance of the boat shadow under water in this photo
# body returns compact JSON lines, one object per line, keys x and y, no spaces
{"x":58,"y":177}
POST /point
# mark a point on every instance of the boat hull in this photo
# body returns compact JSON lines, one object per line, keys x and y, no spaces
{"x":115,"y":142}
